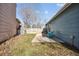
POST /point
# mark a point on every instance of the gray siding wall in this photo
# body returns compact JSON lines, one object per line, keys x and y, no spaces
{"x":7,"y":20}
{"x":67,"y":24}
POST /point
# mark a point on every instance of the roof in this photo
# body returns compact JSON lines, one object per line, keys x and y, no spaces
{"x":60,"y":11}
{"x":18,"y":20}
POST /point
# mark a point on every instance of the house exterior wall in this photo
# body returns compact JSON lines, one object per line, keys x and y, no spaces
{"x":7,"y":20}
{"x":67,"y":25}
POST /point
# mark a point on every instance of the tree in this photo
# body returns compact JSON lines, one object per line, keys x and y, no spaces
{"x":29,"y":16}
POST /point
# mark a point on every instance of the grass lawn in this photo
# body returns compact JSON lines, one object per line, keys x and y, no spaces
{"x":22,"y":46}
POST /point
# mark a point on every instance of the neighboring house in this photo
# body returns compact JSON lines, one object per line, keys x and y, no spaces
{"x":23,"y":28}
{"x":8,"y":21}
{"x":66,"y":24}
{"x":18,"y":27}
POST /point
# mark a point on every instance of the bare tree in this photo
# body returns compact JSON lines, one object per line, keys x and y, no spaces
{"x":29,"y":16}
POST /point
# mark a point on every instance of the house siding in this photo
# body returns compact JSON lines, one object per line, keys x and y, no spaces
{"x":67,"y":24}
{"x":7,"y":20}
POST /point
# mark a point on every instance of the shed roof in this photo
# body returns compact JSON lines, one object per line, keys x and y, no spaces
{"x":60,"y":11}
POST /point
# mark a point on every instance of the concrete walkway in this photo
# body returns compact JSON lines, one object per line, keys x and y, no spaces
{"x":40,"y":38}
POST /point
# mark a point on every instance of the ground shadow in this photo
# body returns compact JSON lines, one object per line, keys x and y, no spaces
{"x":64,"y":44}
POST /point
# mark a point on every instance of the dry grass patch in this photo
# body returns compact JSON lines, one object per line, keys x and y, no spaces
{"x":22,"y":46}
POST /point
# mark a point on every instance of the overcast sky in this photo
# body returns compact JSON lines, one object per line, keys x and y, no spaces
{"x":45,"y":10}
